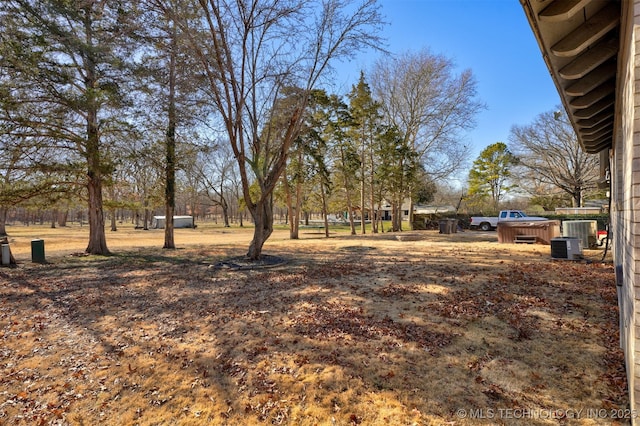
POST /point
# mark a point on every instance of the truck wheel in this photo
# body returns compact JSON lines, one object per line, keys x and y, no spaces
{"x":485,"y":226}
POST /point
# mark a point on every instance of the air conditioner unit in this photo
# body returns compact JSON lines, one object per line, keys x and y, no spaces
{"x":585,"y":230}
{"x":566,"y":248}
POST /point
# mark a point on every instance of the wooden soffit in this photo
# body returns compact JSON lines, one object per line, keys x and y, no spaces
{"x":580,"y":41}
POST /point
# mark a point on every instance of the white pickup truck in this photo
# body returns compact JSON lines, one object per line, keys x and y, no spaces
{"x":488,"y":223}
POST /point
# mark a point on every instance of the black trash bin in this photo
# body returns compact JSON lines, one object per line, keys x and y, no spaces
{"x":37,"y":251}
{"x":448,"y":226}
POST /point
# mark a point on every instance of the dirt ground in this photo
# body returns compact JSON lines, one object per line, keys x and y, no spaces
{"x":60,"y":242}
{"x":412,"y":328}
{"x":73,"y":239}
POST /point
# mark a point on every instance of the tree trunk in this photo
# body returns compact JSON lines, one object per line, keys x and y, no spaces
{"x":347,"y":191}
{"x":225,"y":213}
{"x":97,"y":239}
{"x":352,"y":223}
{"x":298,"y":207}
{"x":374,"y":215}
{"x":410,"y":211}
{"x":145,"y":223}
{"x":363,"y":228}
{"x":291,"y":209}
{"x":324,"y":211}
{"x":577,"y":198}
{"x":114,"y":226}
{"x":295,"y":219}
{"x":401,"y":192}
{"x":396,"y":216}
{"x":168,"y":228}
{"x":263,"y":219}
{"x":170,"y":147}
{"x":62,"y":218}
{"x":3,"y":221}
{"x":224,"y":205}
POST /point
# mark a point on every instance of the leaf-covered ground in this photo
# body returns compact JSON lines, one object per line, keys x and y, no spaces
{"x":370,"y":331}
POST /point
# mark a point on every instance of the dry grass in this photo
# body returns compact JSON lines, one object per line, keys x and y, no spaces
{"x":352,"y":330}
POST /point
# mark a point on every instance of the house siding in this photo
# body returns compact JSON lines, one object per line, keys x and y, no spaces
{"x":625,"y":193}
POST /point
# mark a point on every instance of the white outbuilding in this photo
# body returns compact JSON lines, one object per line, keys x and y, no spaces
{"x":178,"y":222}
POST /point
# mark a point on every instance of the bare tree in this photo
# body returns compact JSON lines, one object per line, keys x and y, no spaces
{"x":250,"y":50}
{"x":549,"y":153}
{"x":214,"y":168}
{"x":430,"y":105}
{"x":144,"y":168}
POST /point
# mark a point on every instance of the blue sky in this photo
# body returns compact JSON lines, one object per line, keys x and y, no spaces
{"x":490,"y":37}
